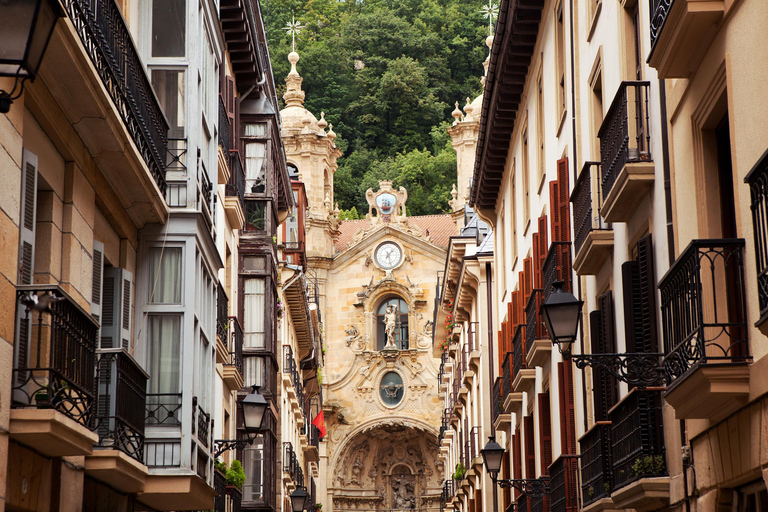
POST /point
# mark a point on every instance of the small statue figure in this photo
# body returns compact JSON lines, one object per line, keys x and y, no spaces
{"x":390,"y":320}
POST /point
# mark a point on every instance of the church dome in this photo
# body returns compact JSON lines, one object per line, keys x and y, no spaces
{"x":294,"y":116}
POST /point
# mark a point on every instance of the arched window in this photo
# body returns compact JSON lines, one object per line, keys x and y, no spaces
{"x":400,"y":332}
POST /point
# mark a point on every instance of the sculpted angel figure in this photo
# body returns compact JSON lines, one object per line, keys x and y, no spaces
{"x":352,"y":334}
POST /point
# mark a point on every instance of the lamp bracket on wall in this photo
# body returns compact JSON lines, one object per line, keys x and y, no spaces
{"x":636,"y":369}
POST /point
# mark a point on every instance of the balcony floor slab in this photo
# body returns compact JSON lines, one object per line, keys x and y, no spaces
{"x":595,"y":251}
{"x":177,"y":492}
{"x":710,"y":391}
{"x":524,"y":379}
{"x":643,"y":495}
{"x":117,"y":470}
{"x":513,"y":402}
{"x":539,"y":353}
{"x":632,"y":185}
{"x":51,"y":433}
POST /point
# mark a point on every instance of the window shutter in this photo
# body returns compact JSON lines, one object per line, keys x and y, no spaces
{"x":603,"y":341}
{"x":236,"y":143}
{"x":563,"y":199}
{"x":527,"y":279}
{"x":97,"y":274}
{"x":567,"y":411}
{"x":517,"y":466}
{"x":28,"y":217}
{"x":507,"y":495}
{"x":639,"y":284}
{"x":540,"y":243}
{"x":554,"y":210}
{"x":545,"y":433}
{"x":530,"y":448}
{"x":116,"y":308}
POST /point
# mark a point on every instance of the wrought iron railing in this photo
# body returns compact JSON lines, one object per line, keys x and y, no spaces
{"x":472,"y":446}
{"x":586,"y":208}
{"x":55,"y":358}
{"x":225,"y":140}
{"x":441,"y":372}
{"x":563,"y":484}
{"x":290,"y":367}
{"x":519,"y":349}
{"x":556,"y":267}
{"x":291,"y":464}
{"x":176,"y":156}
{"x":625,"y":133}
{"x":235,"y":344}
{"x":234,"y":499}
{"x":220,"y":486}
{"x":201,"y":423}
{"x":538,"y":504}
{"x":163,"y":409}
{"x":508,"y":374}
{"x":637,"y":434}
{"x":534,"y":324}
{"x":108,"y":42}
{"x":659,"y":12}
{"x":757,"y":179}
{"x":497,"y":399}
{"x":222,"y":314}
{"x":596,"y":467}
{"x":236,"y":185}
{"x":472,"y":337}
{"x":120,"y":402}
{"x":522,"y":502}
{"x":703,"y":307}
{"x":461,"y":366}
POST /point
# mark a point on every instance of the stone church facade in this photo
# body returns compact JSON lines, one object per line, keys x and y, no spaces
{"x":379,"y":381}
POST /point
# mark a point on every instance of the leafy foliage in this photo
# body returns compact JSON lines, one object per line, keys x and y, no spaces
{"x":235,"y":474}
{"x":386,"y":73}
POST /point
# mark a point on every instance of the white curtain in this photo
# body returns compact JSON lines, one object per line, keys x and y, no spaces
{"x":254,"y":163}
{"x":164,"y":342}
{"x":253,"y":330}
{"x":256,"y":129}
{"x":253,"y":465}
{"x":253,"y":369}
{"x":168,"y":287}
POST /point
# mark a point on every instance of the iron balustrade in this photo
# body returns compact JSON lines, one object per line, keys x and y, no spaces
{"x":497,"y":399}
{"x":236,"y":185}
{"x":291,"y":464}
{"x":441,"y":373}
{"x":472,"y":446}
{"x":222,"y":315}
{"x":624,"y":135}
{"x":120,"y":402}
{"x":534,"y":323}
{"x":455,"y":395}
{"x":234,"y":499}
{"x":586,"y":208}
{"x":522,"y":503}
{"x":519,"y":349}
{"x":108,"y":43}
{"x":508,"y":374}
{"x":206,"y":193}
{"x":659,"y":12}
{"x":203,"y":423}
{"x":757,"y":179}
{"x":466,"y":350}
{"x":537,"y":504}
{"x":637,"y":436}
{"x":225,"y":140}
{"x":220,"y":486}
{"x":55,"y":353}
{"x":163,"y":409}
{"x":461,"y":367}
{"x":703,"y":307}
{"x":472,"y":337}
{"x":235,"y":344}
{"x":563,"y":484}
{"x":596,"y":467}
{"x":176,"y":156}
{"x":290,"y":367}
{"x":556,"y":267}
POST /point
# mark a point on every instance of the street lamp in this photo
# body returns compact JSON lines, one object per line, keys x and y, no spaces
{"x":254,"y":410}
{"x":562,"y":314}
{"x":299,"y":499}
{"x":25,"y":29}
{"x":493,"y":455}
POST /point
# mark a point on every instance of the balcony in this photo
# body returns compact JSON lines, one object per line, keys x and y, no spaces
{"x":524,"y":376}
{"x":593,"y":239}
{"x":110,"y":103}
{"x":627,"y":170}
{"x":536,"y":337}
{"x":472,"y":451}
{"x":293,"y":475}
{"x":757,"y":179}
{"x":596,"y":471}
{"x":222,"y":324}
{"x":703,"y":313}
{"x":639,"y":470}
{"x":225,"y":142}
{"x":53,"y":378}
{"x":556,"y":267}
{"x":499,"y":417}
{"x":473,"y":342}
{"x":295,"y":253}
{"x":469,"y":374}
{"x":510,"y":399}
{"x":118,"y":459}
{"x":234,"y":200}
{"x":681,"y":33}
{"x":233,"y":366}
{"x":563,"y":484}
{"x":292,"y":383}
{"x":201,"y":425}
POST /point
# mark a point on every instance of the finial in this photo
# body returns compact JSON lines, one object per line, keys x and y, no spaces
{"x":454,"y":192}
{"x":306,"y":121}
{"x":322,"y":123}
{"x":293,"y":28}
{"x":293,"y":96}
{"x":490,"y":12}
{"x":456,"y":114}
{"x":331,"y":134}
{"x":468,"y":109}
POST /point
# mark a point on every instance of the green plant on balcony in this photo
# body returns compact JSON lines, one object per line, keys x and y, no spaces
{"x":460,"y":472}
{"x":235,"y":474}
{"x":318,"y":506}
{"x":647,"y":465}
{"x":591,"y":492}
{"x":220,"y":466}
{"x":607,"y":488}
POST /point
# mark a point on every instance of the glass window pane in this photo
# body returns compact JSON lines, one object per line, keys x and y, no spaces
{"x":253,"y":328}
{"x":169,"y":88}
{"x":254,"y":216}
{"x":254,"y":368}
{"x":255,"y":180}
{"x":164,"y":349}
{"x":256,"y":129}
{"x":168,"y":28}
{"x":391,"y":388}
{"x":254,"y":263}
{"x":165,"y":275}
{"x":253,"y":466}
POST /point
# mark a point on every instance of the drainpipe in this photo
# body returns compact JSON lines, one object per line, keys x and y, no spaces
{"x":489,"y":290}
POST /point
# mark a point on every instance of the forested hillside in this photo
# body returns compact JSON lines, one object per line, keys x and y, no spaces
{"x":386,"y":73}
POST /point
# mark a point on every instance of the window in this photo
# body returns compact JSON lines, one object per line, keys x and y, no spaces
{"x":512,"y":238}
{"x":752,"y":498}
{"x":540,"y":129}
{"x":255,"y":158}
{"x":501,"y":263}
{"x":391,"y":389}
{"x":254,"y":263}
{"x":526,"y":177}
{"x":253,"y":328}
{"x":394,"y":326}
{"x":596,"y":104}
{"x":165,"y":275}
{"x":560,"y":60}
{"x":169,"y":88}
{"x":164,"y":332}
{"x":254,"y":369}
{"x":168,"y":28}
{"x":253,"y":466}
{"x":255,"y":216}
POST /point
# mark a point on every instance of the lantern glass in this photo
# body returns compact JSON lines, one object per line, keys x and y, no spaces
{"x":254,"y":409}
{"x":561,"y":314}
{"x":299,"y":499}
{"x":25,"y":29}
{"x":493,"y":455}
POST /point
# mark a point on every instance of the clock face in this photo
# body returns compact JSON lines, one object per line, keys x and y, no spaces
{"x":388,"y":255}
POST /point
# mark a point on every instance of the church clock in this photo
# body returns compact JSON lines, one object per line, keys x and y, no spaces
{"x":388,"y":255}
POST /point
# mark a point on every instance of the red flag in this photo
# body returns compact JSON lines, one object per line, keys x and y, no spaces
{"x":319,"y":422}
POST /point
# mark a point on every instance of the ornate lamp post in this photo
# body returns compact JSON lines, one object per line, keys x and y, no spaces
{"x":493,"y":455}
{"x":254,"y":409}
{"x":25,"y":29}
{"x":562,"y":315}
{"x":299,"y":499}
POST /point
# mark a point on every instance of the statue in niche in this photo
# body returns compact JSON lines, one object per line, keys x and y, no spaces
{"x":403,"y":496}
{"x":390,"y":324}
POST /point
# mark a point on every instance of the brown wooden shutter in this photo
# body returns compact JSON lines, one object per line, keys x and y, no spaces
{"x":563,"y":200}
{"x":603,"y":341}
{"x":506,"y":494}
{"x":478,"y":500}
{"x":545,"y":433}
{"x":536,"y":263}
{"x":554,"y":210}
{"x":639,"y":283}
{"x":567,"y":410}
{"x":517,"y":466}
{"x":528,"y":279}
{"x":530,"y":447}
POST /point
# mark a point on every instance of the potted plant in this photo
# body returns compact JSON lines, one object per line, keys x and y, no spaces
{"x":459,"y":473}
{"x":318,"y":506}
{"x":235,"y":475}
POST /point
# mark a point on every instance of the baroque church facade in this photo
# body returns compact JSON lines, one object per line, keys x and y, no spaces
{"x":376,"y":284}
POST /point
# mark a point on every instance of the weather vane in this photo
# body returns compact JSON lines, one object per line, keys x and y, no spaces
{"x":293,"y":28}
{"x":490,"y":11}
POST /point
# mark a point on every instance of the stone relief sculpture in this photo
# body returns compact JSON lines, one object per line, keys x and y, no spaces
{"x":403,"y":492}
{"x":352,"y":335}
